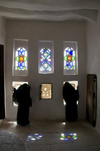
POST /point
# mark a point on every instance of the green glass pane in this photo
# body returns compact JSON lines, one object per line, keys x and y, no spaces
{"x":25,"y":58}
{"x":24,"y":68}
{"x":17,"y":67}
{"x":73,"y":58}
{"x":65,"y":58}
{"x":17,"y":58}
{"x":72,"y":67}
{"x":66,"y":67}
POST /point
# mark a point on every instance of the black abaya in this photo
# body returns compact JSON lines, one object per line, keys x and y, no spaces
{"x":70,"y":96}
{"x":24,"y":102}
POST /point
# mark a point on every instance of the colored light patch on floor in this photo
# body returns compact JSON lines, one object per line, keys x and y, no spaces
{"x":68,"y":136}
{"x":33,"y":137}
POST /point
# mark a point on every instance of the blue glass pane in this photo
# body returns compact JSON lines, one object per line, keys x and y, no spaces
{"x":23,"y":64}
{"x":48,"y":63}
{"x":42,"y":63}
{"x":23,"y":52}
{"x":67,"y":63}
{"x":71,"y":53}
{"x":19,"y":53}
{"x":67,"y":52}
{"x":69,"y":67}
{"x":71,"y":63}
{"x":19,"y":64}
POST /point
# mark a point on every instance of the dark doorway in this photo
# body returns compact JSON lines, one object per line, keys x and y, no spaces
{"x":91,"y":104}
{"x":2,"y":106}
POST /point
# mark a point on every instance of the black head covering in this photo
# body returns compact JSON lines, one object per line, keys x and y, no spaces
{"x":68,"y":91}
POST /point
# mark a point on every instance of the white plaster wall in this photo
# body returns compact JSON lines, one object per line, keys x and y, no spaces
{"x":93,"y":60}
{"x":57,"y":32}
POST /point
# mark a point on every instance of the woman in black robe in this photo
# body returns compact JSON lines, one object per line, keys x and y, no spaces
{"x":71,"y":96}
{"x":24,"y":102}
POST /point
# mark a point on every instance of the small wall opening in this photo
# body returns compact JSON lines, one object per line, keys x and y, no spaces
{"x":16,"y":85}
{"x":46,"y":91}
{"x":74,"y":84}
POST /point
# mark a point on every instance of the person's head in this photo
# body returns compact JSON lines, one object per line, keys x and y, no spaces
{"x":68,"y":88}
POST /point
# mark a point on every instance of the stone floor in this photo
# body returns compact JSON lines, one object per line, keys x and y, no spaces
{"x":49,"y":136}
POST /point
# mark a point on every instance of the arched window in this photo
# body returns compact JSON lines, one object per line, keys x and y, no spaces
{"x":70,"y":50}
{"x":69,"y":58}
{"x":21,"y":59}
{"x":45,"y":59}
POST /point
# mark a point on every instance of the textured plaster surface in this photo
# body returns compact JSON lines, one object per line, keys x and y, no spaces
{"x":50,"y":10}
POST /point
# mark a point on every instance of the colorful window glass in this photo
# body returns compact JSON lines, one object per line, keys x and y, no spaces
{"x":69,"y":58}
{"x":45,"y":59}
{"x":21,"y":59}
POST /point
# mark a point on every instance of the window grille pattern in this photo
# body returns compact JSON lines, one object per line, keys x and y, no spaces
{"x":21,"y":59}
{"x":45,"y":59}
{"x":69,"y":58}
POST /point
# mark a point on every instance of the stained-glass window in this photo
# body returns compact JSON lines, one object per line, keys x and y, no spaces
{"x":70,"y":50}
{"x":69,"y":58}
{"x":21,"y":59}
{"x":45,"y":59}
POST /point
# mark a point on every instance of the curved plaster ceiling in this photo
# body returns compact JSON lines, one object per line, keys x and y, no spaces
{"x":50,"y":10}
